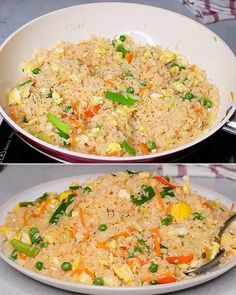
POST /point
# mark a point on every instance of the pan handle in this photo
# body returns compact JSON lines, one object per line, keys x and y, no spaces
{"x":230,"y":126}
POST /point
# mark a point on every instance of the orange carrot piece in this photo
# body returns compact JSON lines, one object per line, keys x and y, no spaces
{"x":141,"y":261}
{"x":166,"y":280}
{"x":123,"y":250}
{"x":86,"y":236}
{"x":208,"y":205}
{"x":165,"y":182}
{"x":92,"y":111}
{"x":144,"y":148}
{"x":103,"y":246}
{"x":192,"y":68}
{"x":124,"y":233}
{"x":168,"y":209}
{"x":157,"y":247}
{"x":86,"y":270}
{"x":13,"y":116}
{"x":26,"y":217}
{"x":129,"y":57}
{"x":130,"y":263}
{"x":180,"y":259}
{"x":81,"y":215}
{"x":35,"y":215}
{"x":109,"y":82}
{"x":155,"y":231}
{"x":22,"y":256}
{"x":73,"y":231}
{"x":44,"y":206}
{"x":162,"y":205}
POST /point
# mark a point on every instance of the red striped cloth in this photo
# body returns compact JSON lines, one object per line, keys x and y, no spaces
{"x":209,"y":11}
{"x":219,"y":171}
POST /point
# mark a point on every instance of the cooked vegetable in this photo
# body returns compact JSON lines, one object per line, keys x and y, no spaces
{"x":151,"y":145}
{"x":180,"y":67}
{"x":66,"y":266}
{"x":167,"y":191}
{"x":132,"y":172}
{"x":26,"y":204}
{"x":28,"y":250}
{"x":61,"y":209}
{"x":181,"y":211}
{"x":98,"y":282}
{"x":166,"y":280}
{"x":130,"y":90}
{"x":26,"y":82}
{"x":189,"y":96}
{"x":198,"y":216}
{"x":67,"y":108}
{"x":13,"y":255}
{"x":122,"y":38}
{"x":145,"y":195}
{"x":143,"y":243}
{"x":60,"y":125}
{"x":87,"y":189}
{"x":75,"y":187}
{"x":167,"y":220}
{"x":42,"y":198}
{"x":165,"y":182}
{"x":138,"y":250}
{"x":102,"y":227}
{"x":206,"y":102}
{"x":121,"y":49}
{"x":129,"y":75}
{"x":25,"y":120}
{"x":39,"y":265}
{"x":144,"y":148}
{"x":153,"y":282}
{"x":129,"y":57}
{"x":153,"y":267}
{"x":34,"y":235}
{"x":117,"y":97}
{"x":36,"y":71}
{"x":180,"y":259}
{"x":125,"y":145}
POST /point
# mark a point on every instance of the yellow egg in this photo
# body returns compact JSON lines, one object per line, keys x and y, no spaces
{"x":181,"y":211}
{"x":167,"y":56}
{"x":5,"y":229}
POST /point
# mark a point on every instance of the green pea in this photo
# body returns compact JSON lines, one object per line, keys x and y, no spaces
{"x":122,"y":38}
{"x":208,"y":103}
{"x":13,"y":255}
{"x":153,"y":267}
{"x":153,"y":282}
{"x":67,"y":109}
{"x":87,"y":189}
{"x":131,"y":255}
{"x":39,"y":265}
{"x":151,"y":145}
{"x":137,"y":250}
{"x":66,"y":266}
{"x":36,"y":71}
{"x":189,"y":96}
{"x":102,"y":227}
{"x":130,"y":90}
{"x":98,"y":282}
{"x":167,"y":220}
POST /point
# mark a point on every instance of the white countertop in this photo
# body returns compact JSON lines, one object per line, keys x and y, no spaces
{"x":14,"y":179}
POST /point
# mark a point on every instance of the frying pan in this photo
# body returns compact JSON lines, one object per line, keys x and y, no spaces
{"x":145,"y":24}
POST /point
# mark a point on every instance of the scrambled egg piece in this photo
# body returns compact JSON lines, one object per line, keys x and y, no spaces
{"x":76,"y":263}
{"x":5,"y":229}
{"x":64,"y":195}
{"x":124,"y":194}
{"x":56,"y":97}
{"x":124,"y":273}
{"x":180,"y":87}
{"x":111,"y":282}
{"x":112,"y":244}
{"x":167,"y":56}
{"x":100,"y":51}
{"x":114,"y":147}
{"x":175,"y":71}
{"x":27,"y":68}
{"x":181,"y":211}
{"x":148,"y":53}
{"x":85,"y":278}
{"x":26,"y":239}
{"x":14,"y":96}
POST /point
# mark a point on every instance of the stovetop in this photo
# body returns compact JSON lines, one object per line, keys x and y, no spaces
{"x":220,"y":148}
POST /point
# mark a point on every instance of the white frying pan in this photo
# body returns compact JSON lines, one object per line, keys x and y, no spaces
{"x":145,"y":24}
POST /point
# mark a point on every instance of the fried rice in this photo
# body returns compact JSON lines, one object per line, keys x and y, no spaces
{"x":121,"y":229}
{"x":113,"y":97}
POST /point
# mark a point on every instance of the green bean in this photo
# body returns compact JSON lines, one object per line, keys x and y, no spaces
{"x":61,"y":209}
{"x":28,"y":250}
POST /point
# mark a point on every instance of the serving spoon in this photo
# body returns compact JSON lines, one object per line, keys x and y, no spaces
{"x":219,"y":254}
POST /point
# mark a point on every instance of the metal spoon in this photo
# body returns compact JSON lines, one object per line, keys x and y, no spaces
{"x":220,"y":253}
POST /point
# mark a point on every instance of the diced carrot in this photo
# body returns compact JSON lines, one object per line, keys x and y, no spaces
{"x":81,"y":215}
{"x":22,"y":256}
{"x":141,"y":261}
{"x":155,"y":231}
{"x":35,"y":215}
{"x":73,"y":231}
{"x":114,"y":154}
{"x":124,"y":233}
{"x":208,"y":205}
{"x":123,"y":250}
{"x":157,"y":247}
{"x":166,"y":280}
{"x":168,"y":209}
{"x":162,"y":205}
{"x":109,"y":82}
{"x":144,"y":148}
{"x":13,"y":116}
{"x":86,"y":236}
{"x":148,"y":68}
{"x":165,"y":182}
{"x":92,"y":111}
{"x":192,"y":68}
{"x":44,"y":206}
{"x":180,"y":259}
{"x":141,"y":90}
{"x":130,"y":263}
{"x":129,"y":57}
{"x":103,"y":246}
{"x":26,"y":217}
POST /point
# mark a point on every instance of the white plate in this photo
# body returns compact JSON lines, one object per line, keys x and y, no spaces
{"x":62,"y":184}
